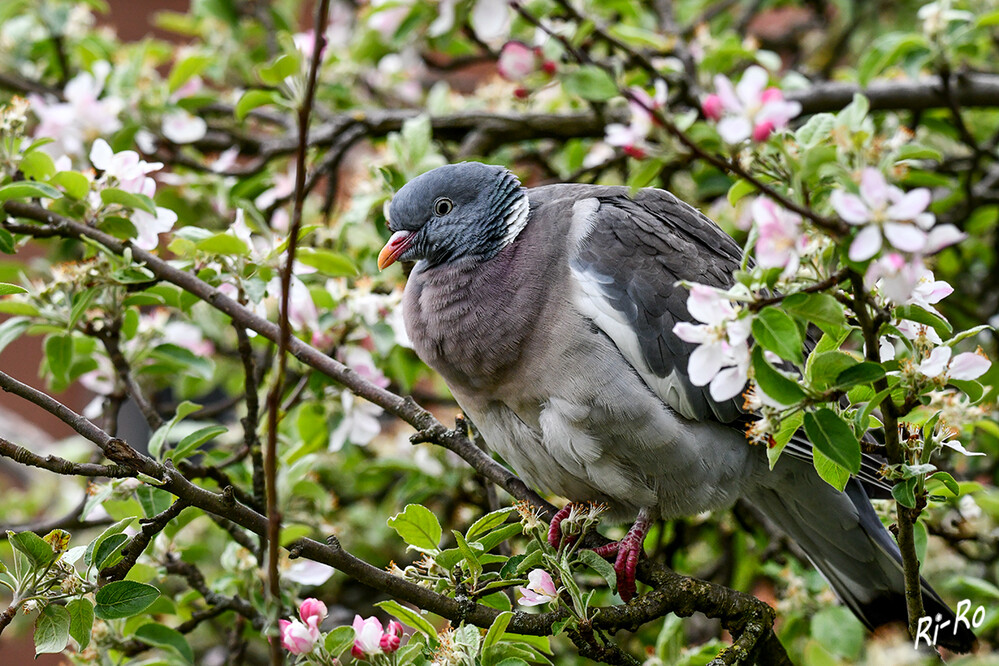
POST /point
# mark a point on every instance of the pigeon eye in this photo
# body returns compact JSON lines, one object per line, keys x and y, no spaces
{"x":443,"y":206}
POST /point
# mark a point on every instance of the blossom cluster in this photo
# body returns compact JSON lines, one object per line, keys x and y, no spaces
{"x":749,"y":109}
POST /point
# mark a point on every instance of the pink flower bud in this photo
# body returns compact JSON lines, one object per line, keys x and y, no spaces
{"x":298,"y":638}
{"x":712,"y":107}
{"x":392,"y":637}
{"x":312,"y":611}
{"x":516,"y":61}
{"x":635,"y":152}
{"x":771,"y":94}
{"x":763,"y":130}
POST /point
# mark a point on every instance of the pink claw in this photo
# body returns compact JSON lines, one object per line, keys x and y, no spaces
{"x":627,"y":551}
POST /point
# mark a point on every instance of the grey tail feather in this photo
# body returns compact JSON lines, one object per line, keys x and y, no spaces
{"x":845,"y":540}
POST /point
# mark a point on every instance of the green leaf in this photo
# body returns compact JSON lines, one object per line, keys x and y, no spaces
{"x":7,"y":289}
{"x":191,"y":442}
{"x":7,"y":242}
{"x":37,"y":165}
{"x":823,"y":310}
{"x":474,"y":566}
{"x":782,"y":389}
{"x":904,"y":492}
{"x":27,"y":189}
{"x":948,"y":481}
{"x":839,"y":631}
{"x":778,"y":333}
{"x":590,"y":82}
{"x":418,"y":527}
{"x":184,"y":409}
{"x":274,"y":74}
{"x":338,"y":640}
{"x":185,"y":69}
{"x":124,"y":598}
{"x":926,"y":318}
{"x":818,"y":128}
{"x":51,"y":630}
{"x":824,"y":367}
{"x":488,"y":522}
{"x":831,"y":435}
{"x":867,"y":372}
{"x":253,"y":99}
{"x":497,"y":629}
{"x":108,"y":548}
{"x":788,"y":427}
{"x":328,"y":262}
{"x":496,"y":537}
{"x":113,"y":195}
{"x":740,"y":189}
{"x":117,"y":528}
{"x":162,"y":636}
{"x":412,"y":618}
{"x":81,"y":621}
{"x":76,"y":185}
{"x":12,"y":329}
{"x":830,"y":471}
{"x":39,"y":553}
{"x":59,"y":353}
{"x":601,"y":566}
{"x":223,"y":243}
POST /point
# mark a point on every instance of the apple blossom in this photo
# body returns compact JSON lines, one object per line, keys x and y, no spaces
{"x":540,"y":588}
{"x":749,"y":109}
{"x":367,"y":637}
{"x":721,"y":358}
{"x":779,"y":241}
{"x":359,"y":424}
{"x":181,"y":127}
{"x":895,"y":276}
{"x":900,"y":217}
{"x":631,"y":137}
{"x":516,"y":61}
{"x":964,"y":366}
{"x":82,"y":117}
{"x":491,"y":20}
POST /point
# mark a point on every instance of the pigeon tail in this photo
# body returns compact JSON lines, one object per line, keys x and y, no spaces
{"x":843,"y":537}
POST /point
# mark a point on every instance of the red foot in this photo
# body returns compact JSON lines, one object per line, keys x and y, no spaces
{"x":555,"y":528}
{"x":628,"y":550}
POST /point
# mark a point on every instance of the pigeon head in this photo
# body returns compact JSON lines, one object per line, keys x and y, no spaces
{"x":453,"y":212}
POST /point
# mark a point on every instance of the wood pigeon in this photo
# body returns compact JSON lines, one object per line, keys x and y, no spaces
{"x":549,"y":313}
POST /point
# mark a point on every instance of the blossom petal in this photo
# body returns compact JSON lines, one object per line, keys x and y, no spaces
{"x":850,"y":207}
{"x":750,"y":87}
{"x":936,"y":363}
{"x":688,"y":332}
{"x":101,"y":155}
{"x":704,"y":364}
{"x":728,"y":383}
{"x":874,"y":188}
{"x":942,"y":236}
{"x":735,"y":129}
{"x":910,"y":205}
{"x":866,"y":244}
{"x":905,"y":237}
{"x":968,"y":366}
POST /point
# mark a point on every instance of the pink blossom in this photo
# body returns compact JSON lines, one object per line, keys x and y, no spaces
{"x":516,"y":61}
{"x":780,"y":240}
{"x":965,"y":366}
{"x":896,"y":276}
{"x":367,"y":637}
{"x":749,"y":109}
{"x":298,"y":638}
{"x":721,"y":358}
{"x":540,"y":589}
{"x":392,"y":637}
{"x":359,"y":424}
{"x":82,"y":117}
{"x":712,"y":107}
{"x":308,"y":572}
{"x":312,"y":611}
{"x":181,"y":127}
{"x":929,"y":291}
{"x":125,"y":170}
{"x":631,"y":137}
{"x":900,"y":217}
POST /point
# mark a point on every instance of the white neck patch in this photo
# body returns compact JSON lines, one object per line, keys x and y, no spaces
{"x":517,"y":219}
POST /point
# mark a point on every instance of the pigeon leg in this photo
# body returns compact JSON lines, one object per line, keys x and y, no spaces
{"x":555,"y":527}
{"x":627,"y":550}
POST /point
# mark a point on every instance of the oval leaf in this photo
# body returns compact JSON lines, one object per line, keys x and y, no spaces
{"x":417,"y":527}
{"x":162,"y":636}
{"x":124,"y":598}
{"x":831,"y":435}
{"x":51,"y":630}
{"x":778,"y":333}
{"x":28,"y":190}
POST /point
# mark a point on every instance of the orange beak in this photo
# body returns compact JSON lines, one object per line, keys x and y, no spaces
{"x":397,"y":244}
